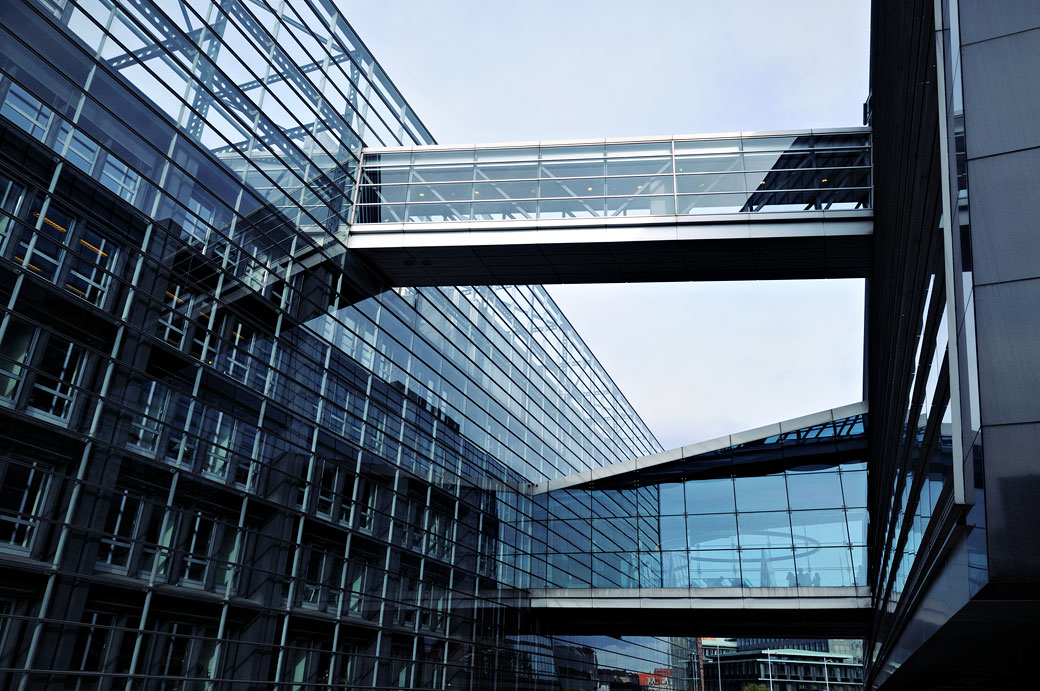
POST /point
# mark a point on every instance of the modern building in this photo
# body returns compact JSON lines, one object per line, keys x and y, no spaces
{"x":783,"y":669}
{"x":253,"y":436}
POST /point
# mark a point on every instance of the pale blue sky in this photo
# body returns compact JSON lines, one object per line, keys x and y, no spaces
{"x":697,"y":360}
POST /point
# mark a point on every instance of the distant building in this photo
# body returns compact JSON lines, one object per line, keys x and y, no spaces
{"x":783,"y":669}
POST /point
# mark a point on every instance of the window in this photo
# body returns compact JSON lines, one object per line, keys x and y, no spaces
{"x":10,"y":200}
{"x":146,"y":425}
{"x":26,"y":111}
{"x":58,"y":374}
{"x":117,"y":176}
{"x":121,"y":526}
{"x":66,"y":251}
{"x":81,"y":151}
{"x":53,"y":365}
{"x":23,"y":487}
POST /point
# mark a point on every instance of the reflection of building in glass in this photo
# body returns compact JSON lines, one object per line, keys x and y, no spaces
{"x":238,"y":445}
{"x":227,"y":452}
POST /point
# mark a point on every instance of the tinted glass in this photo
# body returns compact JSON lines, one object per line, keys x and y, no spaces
{"x":814,"y":490}
{"x":709,"y":496}
{"x":766,"y":493}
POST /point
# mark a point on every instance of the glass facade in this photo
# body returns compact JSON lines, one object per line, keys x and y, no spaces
{"x":782,"y":511}
{"x":228,"y":455}
{"x":684,"y":176}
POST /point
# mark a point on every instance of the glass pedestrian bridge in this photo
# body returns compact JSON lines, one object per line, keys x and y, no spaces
{"x":756,"y":205}
{"x":769,"y":522}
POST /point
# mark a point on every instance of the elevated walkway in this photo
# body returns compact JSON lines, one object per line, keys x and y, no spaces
{"x":721,"y":207}
{"x":764,"y":530}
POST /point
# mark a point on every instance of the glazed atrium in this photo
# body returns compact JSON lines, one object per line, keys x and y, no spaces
{"x":283,"y":403}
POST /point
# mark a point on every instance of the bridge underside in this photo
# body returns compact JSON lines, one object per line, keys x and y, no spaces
{"x":840,"y":612}
{"x":828,"y":245}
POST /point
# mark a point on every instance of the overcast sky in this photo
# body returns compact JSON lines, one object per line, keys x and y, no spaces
{"x":697,"y":360}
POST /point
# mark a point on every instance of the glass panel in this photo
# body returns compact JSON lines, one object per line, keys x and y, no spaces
{"x":572,"y":169}
{"x":500,"y":211}
{"x":777,"y":143}
{"x":778,"y":159}
{"x":418,"y":213}
{"x":378,"y":176}
{"x":854,"y":488}
{"x":828,"y":566}
{"x":771,"y":529}
{"x":673,"y":532}
{"x":662,"y":148}
{"x":649,"y":569}
{"x":675,"y":571}
{"x":442,"y":173}
{"x":507,"y":171}
{"x":766,"y":493}
{"x":578,"y":151}
{"x":715,"y":569}
{"x":639,"y":185}
{"x":712,"y":531}
{"x":857,"y":525}
{"x":708,"y":146}
{"x":640,"y":206}
{"x":592,"y":187}
{"x":767,"y":568}
{"x":710,"y":163}
{"x":709,"y":496}
{"x":712,"y":204}
{"x":388,"y":159}
{"x":457,"y":156}
{"x":814,"y":490}
{"x":570,"y":208}
{"x":440,"y":193}
{"x":702,"y":184}
{"x":506,"y":190}
{"x":518,"y":154}
{"x":671,"y":499}
{"x":639,"y":166}
{"x":819,"y":528}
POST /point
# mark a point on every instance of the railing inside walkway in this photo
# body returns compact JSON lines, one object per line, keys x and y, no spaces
{"x":684,"y":176}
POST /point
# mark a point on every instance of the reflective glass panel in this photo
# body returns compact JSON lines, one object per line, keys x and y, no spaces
{"x":814,"y":490}
{"x":854,"y":488}
{"x":827,"y":566}
{"x":507,"y":171}
{"x":857,"y":525}
{"x":712,"y":203}
{"x":711,"y":163}
{"x":709,"y":496}
{"x":442,"y":173}
{"x":819,"y":528}
{"x":639,"y":185}
{"x":675,"y":569}
{"x":504,"y":211}
{"x":712,"y":531}
{"x":673,"y":532}
{"x":671,"y":499}
{"x":770,"y":529}
{"x":588,"y":187}
{"x":715,"y":569}
{"x":708,"y":146}
{"x":764,"y":493}
{"x":639,"y":166}
{"x":570,"y":208}
{"x":701,"y":184}
{"x":641,"y":206}
{"x":767,"y":568}
{"x":505,"y":190}
{"x":571,"y":169}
